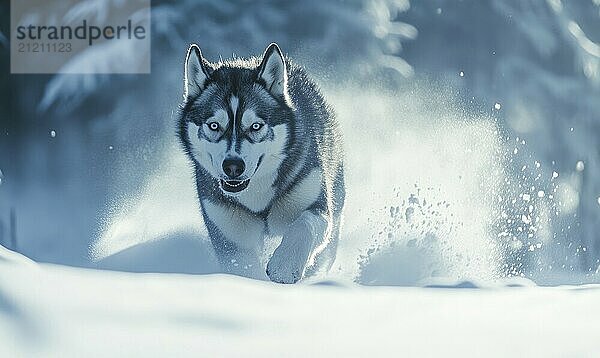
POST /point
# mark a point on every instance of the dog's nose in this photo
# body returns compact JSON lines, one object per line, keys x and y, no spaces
{"x":233,"y":167}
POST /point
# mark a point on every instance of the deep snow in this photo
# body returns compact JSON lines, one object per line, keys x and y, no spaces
{"x":56,"y":311}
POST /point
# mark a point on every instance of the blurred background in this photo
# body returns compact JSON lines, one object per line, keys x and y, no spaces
{"x":472,"y":132}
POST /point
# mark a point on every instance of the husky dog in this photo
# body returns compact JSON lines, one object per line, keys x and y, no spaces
{"x":267,"y":155}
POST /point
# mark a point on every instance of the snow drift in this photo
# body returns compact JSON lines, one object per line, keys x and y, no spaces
{"x":54,"y":311}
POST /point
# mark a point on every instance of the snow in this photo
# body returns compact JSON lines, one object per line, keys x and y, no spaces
{"x":57,"y":311}
{"x":540,"y":194}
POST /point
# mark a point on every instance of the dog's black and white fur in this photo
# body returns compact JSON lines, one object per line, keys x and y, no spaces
{"x":267,"y":155}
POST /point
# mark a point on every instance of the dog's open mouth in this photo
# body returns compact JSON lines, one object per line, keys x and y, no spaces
{"x":234,"y":186}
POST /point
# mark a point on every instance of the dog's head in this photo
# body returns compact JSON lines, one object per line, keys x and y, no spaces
{"x":237,"y":117}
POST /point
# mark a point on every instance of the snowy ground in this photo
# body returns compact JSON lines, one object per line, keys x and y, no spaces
{"x":56,"y":311}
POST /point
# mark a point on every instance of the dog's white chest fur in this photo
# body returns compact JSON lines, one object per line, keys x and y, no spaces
{"x":241,"y":227}
{"x":238,"y":226}
{"x":257,"y":196}
{"x":289,"y":207}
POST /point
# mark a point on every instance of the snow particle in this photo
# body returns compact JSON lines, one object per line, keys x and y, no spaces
{"x":516,"y":244}
{"x":110,"y":147}
{"x":526,"y":197}
{"x":497,"y":106}
{"x":579,"y":166}
{"x":541,"y":194}
{"x":515,"y":151}
{"x":554,"y":175}
{"x":438,"y":10}
{"x":408,"y":214}
{"x":53,"y":133}
{"x":599,"y":200}
{"x":461,"y":74}
{"x":1,"y":176}
{"x":571,"y":129}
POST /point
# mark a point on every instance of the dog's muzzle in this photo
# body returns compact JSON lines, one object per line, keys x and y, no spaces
{"x":234,"y":167}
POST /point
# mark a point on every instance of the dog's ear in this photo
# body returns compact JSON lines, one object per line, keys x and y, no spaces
{"x":273,"y":71}
{"x":197,"y":71}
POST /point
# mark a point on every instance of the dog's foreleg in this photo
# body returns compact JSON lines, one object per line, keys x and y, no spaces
{"x":235,"y":260}
{"x":236,"y":238}
{"x":304,"y":239}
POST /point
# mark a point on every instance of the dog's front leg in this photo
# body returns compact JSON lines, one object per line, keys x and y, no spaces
{"x":236,"y":260}
{"x":307,"y":235}
{"x":236,"y":237}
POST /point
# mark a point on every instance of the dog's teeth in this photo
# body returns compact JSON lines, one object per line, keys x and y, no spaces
{"x":235,"y":185}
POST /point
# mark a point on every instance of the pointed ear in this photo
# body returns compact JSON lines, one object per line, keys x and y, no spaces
{"x":273,"y":71}
{"x":197,"y":71}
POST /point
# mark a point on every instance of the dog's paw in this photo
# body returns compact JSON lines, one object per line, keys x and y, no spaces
{"x":283,"y":277}
{"x":289,"y":260}
{"x":280,"y":269}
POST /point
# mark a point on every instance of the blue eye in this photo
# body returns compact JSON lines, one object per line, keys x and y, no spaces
{"x":213,"y":126}
{"x":256,"y":126}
